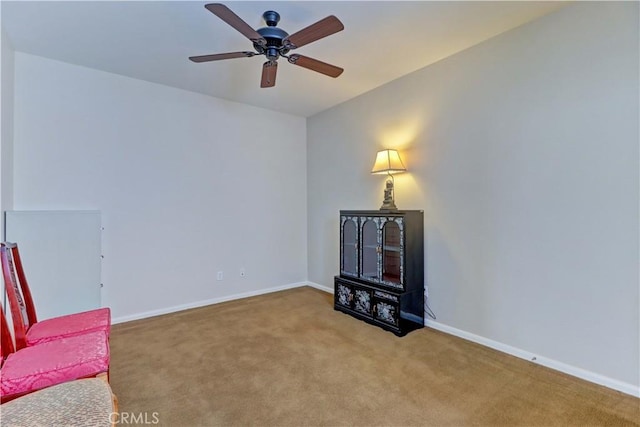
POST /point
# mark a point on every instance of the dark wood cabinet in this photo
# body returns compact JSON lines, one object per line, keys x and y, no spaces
{"x":381,"y":277}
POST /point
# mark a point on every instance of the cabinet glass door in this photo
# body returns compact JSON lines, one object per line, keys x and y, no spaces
{"x":349,"y":261}
{"x":369,"y":250}
{"x":392,"y":253}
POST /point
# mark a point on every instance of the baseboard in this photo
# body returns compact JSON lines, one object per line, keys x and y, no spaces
{"x":203,"y":303}
{"x":321,"y":287}
{"x":540,"y":360}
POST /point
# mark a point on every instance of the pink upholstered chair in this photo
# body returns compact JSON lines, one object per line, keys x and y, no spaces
{"x":49,"y":363}
{"x":28,"y":331}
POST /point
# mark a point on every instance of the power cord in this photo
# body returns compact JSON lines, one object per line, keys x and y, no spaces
{"x":428,"y":311}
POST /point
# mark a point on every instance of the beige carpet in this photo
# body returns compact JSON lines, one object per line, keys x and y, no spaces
{"x":289,"y":359}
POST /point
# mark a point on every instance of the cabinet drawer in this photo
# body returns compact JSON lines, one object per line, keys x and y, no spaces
{"x":343,"y":294}
{"x":362,"y":300}
{"x":387,"y":311}
{"x":354,"y":297}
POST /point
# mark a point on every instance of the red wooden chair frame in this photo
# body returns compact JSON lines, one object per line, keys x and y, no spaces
{"x":19,"y":310}
{"x":6,"y":342}
{"x":28,"y":331}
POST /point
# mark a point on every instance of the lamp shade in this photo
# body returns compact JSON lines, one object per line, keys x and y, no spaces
{"x":388,"y":162}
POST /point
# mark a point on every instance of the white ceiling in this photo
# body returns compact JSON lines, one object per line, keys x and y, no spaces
{"x":151,"y":40}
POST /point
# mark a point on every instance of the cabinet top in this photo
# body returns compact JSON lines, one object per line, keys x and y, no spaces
{"x":379,"y":212}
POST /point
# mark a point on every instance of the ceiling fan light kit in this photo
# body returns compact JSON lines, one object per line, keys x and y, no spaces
{"x":274,"y":42}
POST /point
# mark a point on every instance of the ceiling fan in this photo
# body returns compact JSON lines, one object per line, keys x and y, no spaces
{"x":274,"y":42}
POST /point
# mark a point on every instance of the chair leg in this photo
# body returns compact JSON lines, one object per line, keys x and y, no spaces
{"x":114,"y":412}
{"x":114,"y":417}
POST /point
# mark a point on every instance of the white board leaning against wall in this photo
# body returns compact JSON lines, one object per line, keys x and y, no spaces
{"x":61,"y":255}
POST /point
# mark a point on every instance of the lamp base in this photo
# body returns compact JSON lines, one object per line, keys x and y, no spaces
{"x":388,"y":203}
{"x":388,"y":206}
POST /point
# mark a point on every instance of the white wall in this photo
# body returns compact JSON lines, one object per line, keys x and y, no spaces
{"x":188,"y":185}
{"x":523,"y":152}
{"x":6,"y":136}
{"x":6,"y":127}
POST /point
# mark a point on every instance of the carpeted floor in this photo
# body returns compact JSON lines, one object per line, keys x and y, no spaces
{"x":289,"y":359}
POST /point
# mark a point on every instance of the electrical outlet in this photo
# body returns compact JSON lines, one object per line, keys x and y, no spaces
{"x":220,"y":275}
{"x":242,"y":272}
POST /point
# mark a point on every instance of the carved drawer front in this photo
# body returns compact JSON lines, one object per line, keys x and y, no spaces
{"x":344,"y":295}
{"x":386,"y":309}
{"x":362,"y":300}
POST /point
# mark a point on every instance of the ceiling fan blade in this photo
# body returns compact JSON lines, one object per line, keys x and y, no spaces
{"x":315,"y":65}
{"x":227,"y":15}
{"x":219,"y":56}
{"x":269,"y":70}
{"x":323,"y":28}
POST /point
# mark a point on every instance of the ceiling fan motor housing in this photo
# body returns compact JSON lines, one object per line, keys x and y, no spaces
{"x":273,"y":35}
